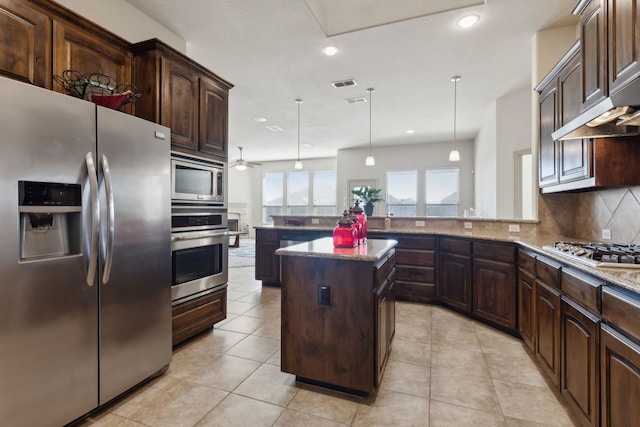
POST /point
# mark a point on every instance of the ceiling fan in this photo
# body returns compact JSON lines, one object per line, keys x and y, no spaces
{"x":242,"y":164}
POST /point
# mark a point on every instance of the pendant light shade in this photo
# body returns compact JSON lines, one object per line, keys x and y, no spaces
{"x":370,"y":161}
{"x":454,"y":155}
{"x":298,"y":163}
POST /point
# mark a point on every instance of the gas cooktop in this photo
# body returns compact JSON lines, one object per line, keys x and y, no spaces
{"x":599,"y":254}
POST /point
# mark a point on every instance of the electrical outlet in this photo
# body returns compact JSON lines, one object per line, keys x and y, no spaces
{"x":324,"y":295}
{"x":514,"y":228}
{"x":606,"y":234}
{"x":468,"y":224}
{"x":315,"y":220}
{"x":420,"y":223}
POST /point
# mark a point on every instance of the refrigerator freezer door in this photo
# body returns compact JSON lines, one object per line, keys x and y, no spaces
{"x":48,"y":313}
{"x":135,"y":288}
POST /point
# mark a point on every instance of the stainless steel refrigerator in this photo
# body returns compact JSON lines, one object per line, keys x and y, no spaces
{"x":85,"y":254}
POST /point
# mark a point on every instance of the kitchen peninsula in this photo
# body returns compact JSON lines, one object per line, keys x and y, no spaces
{"x":338,"y":312}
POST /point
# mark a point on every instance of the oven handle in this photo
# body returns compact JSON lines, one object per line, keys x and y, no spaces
{"x":176,"y":238}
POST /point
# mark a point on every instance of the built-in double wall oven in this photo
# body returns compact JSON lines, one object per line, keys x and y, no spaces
{"x":199,"y":228}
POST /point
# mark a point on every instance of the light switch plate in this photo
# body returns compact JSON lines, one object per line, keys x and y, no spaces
{"x":420,"y":223}
{"x":606,"y":234}
{"x":468,"y":224}
{"x":514,"y":228}
{"x":315,"y":221}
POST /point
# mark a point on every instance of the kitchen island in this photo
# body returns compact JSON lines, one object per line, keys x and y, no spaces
{"x":338,"y":313}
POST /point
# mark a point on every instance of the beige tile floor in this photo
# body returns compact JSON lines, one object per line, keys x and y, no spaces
{"x":444,"y":370}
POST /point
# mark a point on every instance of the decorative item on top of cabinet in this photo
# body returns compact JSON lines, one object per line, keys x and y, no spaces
{"x":526,"y":299}
{"x":494,"y":283}
{"x":183,"y":95}
{"x":547,"y":326}
{"x":455,"y":273}
{"x":25,"y":43}
{"x":88,"y":49}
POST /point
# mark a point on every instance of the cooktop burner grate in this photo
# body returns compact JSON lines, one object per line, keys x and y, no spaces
{"x":599,"y":254}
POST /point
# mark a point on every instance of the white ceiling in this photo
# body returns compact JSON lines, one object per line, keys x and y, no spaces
{"x":271,"y":51}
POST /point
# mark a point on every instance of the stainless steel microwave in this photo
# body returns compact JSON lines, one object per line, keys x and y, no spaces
{"x":197,"y":180}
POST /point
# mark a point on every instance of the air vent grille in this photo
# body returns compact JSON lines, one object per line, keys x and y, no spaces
{"x":344,"y":83}
{"x":357,"y":100}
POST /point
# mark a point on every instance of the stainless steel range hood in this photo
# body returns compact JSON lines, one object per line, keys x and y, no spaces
{"x":617,"y":115}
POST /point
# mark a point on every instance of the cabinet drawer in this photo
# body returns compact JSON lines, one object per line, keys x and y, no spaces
{"x":195,"y":316}
{"x":494,"y":251}
{"x":527,"y":261}
{"x":419,"y":258}
{"x":416,"y":274}
{"x":405,"y":242}
{"x":622,"y":309}
{"x":416,"y":292}
{"x":582,"y":288}
{"x":455,"y":246}
{"x":549,"y":271}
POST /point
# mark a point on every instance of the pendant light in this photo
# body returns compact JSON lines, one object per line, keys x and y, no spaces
{"x":298,"y":163}
{"x":454,"y":155}
{"x":370,"y":160}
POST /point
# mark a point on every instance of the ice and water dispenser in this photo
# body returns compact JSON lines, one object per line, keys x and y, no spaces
{"x":50,"y":219}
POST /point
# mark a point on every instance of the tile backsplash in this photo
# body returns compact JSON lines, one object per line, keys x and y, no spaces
{"x":585,"y":215}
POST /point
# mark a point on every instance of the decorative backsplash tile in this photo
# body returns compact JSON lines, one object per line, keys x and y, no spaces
{"x":616,"y":209}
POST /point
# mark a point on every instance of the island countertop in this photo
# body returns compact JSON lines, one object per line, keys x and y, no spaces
{"x":371,"y":250}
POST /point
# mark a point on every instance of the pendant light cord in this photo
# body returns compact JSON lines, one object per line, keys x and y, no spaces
{"x":298,"y":101}
{"x":370,"y":90}
{"x":455,"y":79}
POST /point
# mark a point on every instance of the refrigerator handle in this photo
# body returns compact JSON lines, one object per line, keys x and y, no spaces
{"x":110,"y":219}
{"x":95,"y":218}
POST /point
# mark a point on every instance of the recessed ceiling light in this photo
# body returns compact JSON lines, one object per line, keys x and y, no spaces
{"x":307,"y":144}
{"x":274,"y":128}
{"x":330,"y":50}
{"x":260,"y":119}
{"x":467,"y":21}
{"x":410,"y":131}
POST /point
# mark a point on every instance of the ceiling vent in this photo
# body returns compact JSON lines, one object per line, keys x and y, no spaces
{"x":344,"y":83}
{"x":357,"y":100}
{"x":274,"y":128}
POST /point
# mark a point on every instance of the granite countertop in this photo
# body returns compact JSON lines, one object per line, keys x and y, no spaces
{"x":627,"y":278}
{"x":372,"y":251}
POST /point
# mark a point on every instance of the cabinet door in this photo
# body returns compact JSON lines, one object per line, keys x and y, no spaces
{"x":78,"y":49}
{"x":548,"y":166}
{"x":620,"y":379}
{"x":624,"y":42}
{"x":454,"y":281}
{"x":179,"y":101}
{"x":213,"y":119}
{"x":267,"y":262}
{"x":579,"y":366}
{"x":382,"y":347}
{"x":494,"y":292}
{"x":569,"y":90}
{"x":593,"y":50}
{"x":547,"y":329}
{"x":526,"y":308}
{"x":25,"y":43}
{"x":576,"y":159}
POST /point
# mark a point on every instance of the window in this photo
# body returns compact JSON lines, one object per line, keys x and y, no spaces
{"x":298,"y":193}
{"x":324,"y":192}
{"x":402,"y":192}
{"x":442,"y":192}
{"x":272,"y":195}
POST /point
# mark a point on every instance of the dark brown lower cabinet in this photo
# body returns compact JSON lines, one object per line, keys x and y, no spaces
{"x":580,"y":361}
{"x":526,"y":307}
{"x":547,"y":329}
{"x":195,"y":316}
{"x":454,"y":280}
{"x":619,"y":379}
{"x":494,"y":292}
{"x":267,"y":262}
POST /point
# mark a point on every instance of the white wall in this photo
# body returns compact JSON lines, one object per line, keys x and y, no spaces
{"x":403,"y":157}
{"x":485,"y":166}
{"x":122,"y":19}
{"x":513,"y":133}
